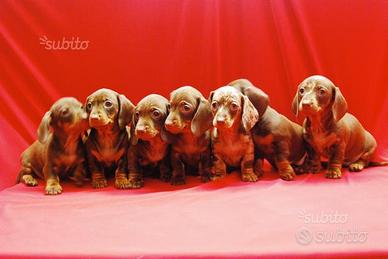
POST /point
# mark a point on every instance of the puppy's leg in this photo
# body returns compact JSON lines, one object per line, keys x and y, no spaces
{"x":165,"y":170}
{"x":97,"y":172}
{"x":121,"y":180}
{"x":258,"y":168}
{"x":135,"y":177}
{"x":247,"y":172}
{"x":365,"y":158}
{"x":178,"y":169}
{"x":336,"y":158}
{"x":79,"y":174}
{"x":282,"y":152}
{"x":218,"y":169}
{"x":312,"y":163}
{"x":204,"y":167}
{"x":52,"y":180}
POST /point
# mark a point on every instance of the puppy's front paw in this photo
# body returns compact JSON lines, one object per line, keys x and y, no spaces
{"x":122,"y":183}
{"x":249,"y":177}
{"x":29,"y":180}
{"x":136,"y":183}
{"x":287,"y":175}
{"x":357,"y":166}
{"x":178,"y":180}
{"x":99,"y":183}
{"x":53,"y":189}
{"x":333,"y":173}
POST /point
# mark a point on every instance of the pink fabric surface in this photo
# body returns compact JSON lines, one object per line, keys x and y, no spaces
{"x":221,"y":218}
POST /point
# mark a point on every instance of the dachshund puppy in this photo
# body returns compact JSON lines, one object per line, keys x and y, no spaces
{"x":148,"y":137}
{"x":276,"y":138}
{"x":108,"y":141}
{"x":233,"y":118}
{"x":329,"y":130}
{"x":189,"y":120}
{"x":59,"y":151}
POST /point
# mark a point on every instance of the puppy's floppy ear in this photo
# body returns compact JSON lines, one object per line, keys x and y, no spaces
{"x":295,"y":105}
{"x":126,"y":109}
{"x":44,"y":128}
{"x":202,"y":119}
{"x":211,"y":97}
{"x":249,"y":115}
{"x":164,"y":134}
{"x":258,"y":98}
{"x":134,"y":138}
{"x":340,"y":105}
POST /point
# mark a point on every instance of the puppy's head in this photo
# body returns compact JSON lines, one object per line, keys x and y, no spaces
{"x":231,"y":108}
{"x":189,"y":110}
{"x":317,"y":95}
{"x":107,"y":108}
{"x":149,"y":117}
{"x":66,"y":114}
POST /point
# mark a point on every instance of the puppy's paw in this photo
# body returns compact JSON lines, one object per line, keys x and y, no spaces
{"x":178,"y":180}
{"x":53,"y":189}
{"x":165,"y":177}
{"x":29,"y":180}
{"x":121,"y":183}
{"x":99,"y":183}
{"x":249,"y":177}
{"x":136,"y":183}
{"x":357,"y":166}
{"x":287,"y":175}
{"x":299,"y":170}
{"x":205,"y":178}
{"x":333,"y":173}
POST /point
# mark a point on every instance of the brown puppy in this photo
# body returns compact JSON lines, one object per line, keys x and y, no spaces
{"x":59,"y":153}
{"x":329,"y":130}
{"x":232,"y":144}
{"x":108,"y":141}
{"x":276,"y":138}
{"x":189,"y":120}
{"x":149,"y":148}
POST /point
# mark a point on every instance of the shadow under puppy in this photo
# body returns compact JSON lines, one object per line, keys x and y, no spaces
{"x":233,"y":118}
{"x":59,"y":151}
{"x":276,"y":138}
{"x":149,"y":149}
{"x":108,"y":141}
{"x":329,"y":130}
{"x":189,"y":121}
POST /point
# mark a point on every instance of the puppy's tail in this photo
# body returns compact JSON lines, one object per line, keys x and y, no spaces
{"x":374,"y":163}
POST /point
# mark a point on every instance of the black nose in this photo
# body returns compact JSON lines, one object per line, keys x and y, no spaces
{"x":220,"y":121}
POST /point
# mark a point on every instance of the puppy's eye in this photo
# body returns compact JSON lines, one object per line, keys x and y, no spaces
{"x":234,"y":107}
{"x":185,"y":108}
{"x":89,"y":106}
{"x":214,"y":105}
{"x":301,"y":91}
{"x":156,"y":114}
{"x":108,"y":104}
{"x":137,"y":115}
{"x":322,"y":92}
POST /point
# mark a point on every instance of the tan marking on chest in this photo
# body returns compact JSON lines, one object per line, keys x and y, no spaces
{"x":322,"y":142}
{"x":108,"y":154}
{"x":232,"y":150}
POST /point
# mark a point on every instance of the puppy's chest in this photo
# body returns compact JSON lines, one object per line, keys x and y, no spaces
{"x":191,"y":146}
{"x":232,"y":150}
{"x":321,"y":141}
{"x":151,"y":153}
{"x":108,"y":152}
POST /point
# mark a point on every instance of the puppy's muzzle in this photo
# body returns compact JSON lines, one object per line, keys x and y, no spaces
{"x":145,"y":132}
{"x":173,"y":126}
{"x":96,"y":120}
